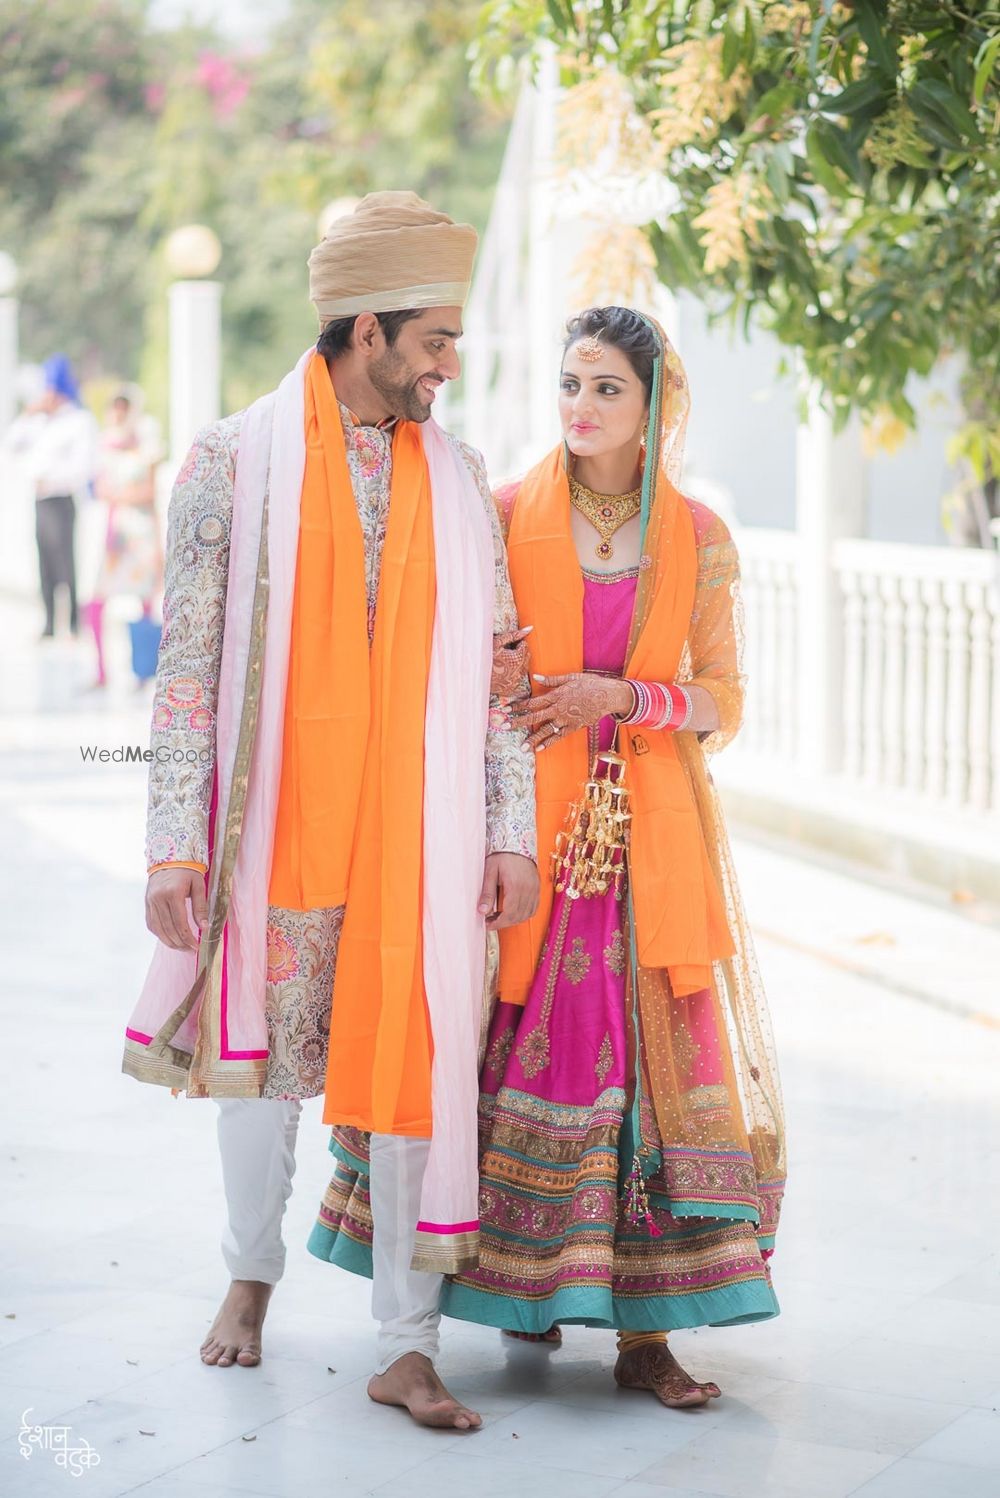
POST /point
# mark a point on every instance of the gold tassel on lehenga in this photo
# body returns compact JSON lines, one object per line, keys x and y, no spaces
{"x":589,"y":857}
{"x":635,"y":1200}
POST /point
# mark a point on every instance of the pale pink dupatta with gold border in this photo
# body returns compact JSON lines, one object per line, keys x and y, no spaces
{"x":200,"y":1019}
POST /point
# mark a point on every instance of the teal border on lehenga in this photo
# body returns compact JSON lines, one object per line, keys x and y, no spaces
{"x":340,"y":1249}
{"x":733,"y":1305}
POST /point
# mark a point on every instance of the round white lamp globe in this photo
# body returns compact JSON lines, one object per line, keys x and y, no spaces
{"x":192,"y":252}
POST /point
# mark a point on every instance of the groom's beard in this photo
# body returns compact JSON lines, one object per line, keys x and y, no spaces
{"x":398,"y":385}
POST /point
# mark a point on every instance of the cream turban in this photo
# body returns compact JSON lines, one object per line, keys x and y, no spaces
{"x":393,"y":252}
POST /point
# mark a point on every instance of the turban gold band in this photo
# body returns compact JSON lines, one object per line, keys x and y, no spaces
{"x":441,"y":294}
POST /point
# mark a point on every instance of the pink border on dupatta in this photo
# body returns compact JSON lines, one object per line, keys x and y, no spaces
{"x":446,"y":1228}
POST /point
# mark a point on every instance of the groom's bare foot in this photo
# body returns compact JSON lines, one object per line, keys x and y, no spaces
{"x":412,"y":1384}
{"x":235,"y":1333}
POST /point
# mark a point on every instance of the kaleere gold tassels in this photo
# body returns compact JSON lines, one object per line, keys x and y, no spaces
{"x":635,"y":1200}
{"x":589,"y":857}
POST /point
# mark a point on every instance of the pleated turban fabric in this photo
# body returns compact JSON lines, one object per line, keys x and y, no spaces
{"x":393,"y":252}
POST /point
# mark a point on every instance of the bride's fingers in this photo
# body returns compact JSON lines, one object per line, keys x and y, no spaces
{"x":529,"y":710}
{"x":547,"y":734}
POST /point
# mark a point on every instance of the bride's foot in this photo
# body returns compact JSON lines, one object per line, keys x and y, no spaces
{"x":235,"y":1333}
{"x":655,"y":1368}
{"x":551,"y":1338}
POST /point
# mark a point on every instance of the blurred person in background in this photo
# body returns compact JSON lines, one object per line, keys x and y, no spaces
{"x":129,"y":449}
{"x":54,"y":440}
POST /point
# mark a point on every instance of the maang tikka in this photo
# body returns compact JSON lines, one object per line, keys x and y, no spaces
{"x":589,"y":349}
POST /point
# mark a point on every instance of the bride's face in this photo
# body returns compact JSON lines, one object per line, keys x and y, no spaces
{"x":602,"y":404}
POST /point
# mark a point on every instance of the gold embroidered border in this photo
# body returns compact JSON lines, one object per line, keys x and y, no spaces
{"x":438,"y":1253}
{"x":138,"y":1063}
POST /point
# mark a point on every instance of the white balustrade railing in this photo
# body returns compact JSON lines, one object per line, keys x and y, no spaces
{"x":768,"y":563}
{"x":917,"y":671}
{"x":921,"y":634}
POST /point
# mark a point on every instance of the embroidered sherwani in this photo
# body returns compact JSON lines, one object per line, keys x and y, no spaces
{"x":301,"y":945}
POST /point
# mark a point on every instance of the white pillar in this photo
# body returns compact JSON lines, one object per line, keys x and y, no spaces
{"x":543,"y":301}
{"x":195,"y":360}
{"x":8,"y":360}
{"x":830,"y":504}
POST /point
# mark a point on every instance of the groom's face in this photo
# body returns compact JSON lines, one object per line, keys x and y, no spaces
{"x":408,"y":373}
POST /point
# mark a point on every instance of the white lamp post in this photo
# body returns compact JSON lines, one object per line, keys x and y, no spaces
{"x":829,"y":506}
{"x":192,"y":254}
{"x":8,"y":339}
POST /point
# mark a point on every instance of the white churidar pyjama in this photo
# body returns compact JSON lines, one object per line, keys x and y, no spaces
{"x":257,"y":1145}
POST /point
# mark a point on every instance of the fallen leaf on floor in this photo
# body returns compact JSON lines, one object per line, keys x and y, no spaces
{"x":249,"y":1438}
{"x":10,"y":1316}
{"x":876,"y":939}
{"x":147,"y":1432}
{"x":331,"y":1370}
{"x":514,"y":1436}
{"x":132,"y":1362}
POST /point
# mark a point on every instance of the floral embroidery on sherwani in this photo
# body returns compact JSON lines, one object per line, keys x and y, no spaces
{"x":301,"y":945}
{"x":302,"y":954}
{"x":510,"y":768}
{"x":187,"y":675}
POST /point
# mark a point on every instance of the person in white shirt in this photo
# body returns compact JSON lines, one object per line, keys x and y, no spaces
{"x":54,"y":440}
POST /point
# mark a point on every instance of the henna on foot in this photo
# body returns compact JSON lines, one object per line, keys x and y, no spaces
{"x":655,"y":1368}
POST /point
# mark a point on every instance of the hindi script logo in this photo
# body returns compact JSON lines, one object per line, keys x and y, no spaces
{"x":76,"y":1455}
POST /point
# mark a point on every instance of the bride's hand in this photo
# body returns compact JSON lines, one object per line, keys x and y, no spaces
{"x":510,"y":662}
{"x":569,"y":703}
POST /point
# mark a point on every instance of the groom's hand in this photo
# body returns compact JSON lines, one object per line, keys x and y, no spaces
{"x":167,"y":896}
{"x":510,"y":890}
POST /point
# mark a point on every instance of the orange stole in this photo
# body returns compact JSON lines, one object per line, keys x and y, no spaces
{"x":680,"y":916}
{"x":349,"y":827}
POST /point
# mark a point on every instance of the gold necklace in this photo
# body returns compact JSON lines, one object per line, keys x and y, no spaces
{"x":607,"y":513}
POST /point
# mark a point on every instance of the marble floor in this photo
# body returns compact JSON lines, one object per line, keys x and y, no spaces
{"x":880,"y":1379}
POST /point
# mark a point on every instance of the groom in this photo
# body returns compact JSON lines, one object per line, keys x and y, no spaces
{"x":335,"y":816}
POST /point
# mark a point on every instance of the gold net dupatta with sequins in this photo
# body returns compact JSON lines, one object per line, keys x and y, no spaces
{"x":742,"y":1111}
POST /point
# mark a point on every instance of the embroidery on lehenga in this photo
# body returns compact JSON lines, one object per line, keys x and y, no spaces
{"x":533,"y":1052}
{"x":605,"y":1058}
{"x":577,"y":965}
{"x":499,"y":1052}
{"x":615,"y":954}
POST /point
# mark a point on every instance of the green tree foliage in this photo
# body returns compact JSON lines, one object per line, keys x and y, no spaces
{"x":837,"y":171}
{"x":391,"y":79}
{"x":74,"y":138}
{"x":113,"y":133}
